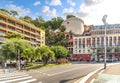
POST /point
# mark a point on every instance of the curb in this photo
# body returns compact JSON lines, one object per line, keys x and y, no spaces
{"x":92,"y":73}
{"x":89,"y":75}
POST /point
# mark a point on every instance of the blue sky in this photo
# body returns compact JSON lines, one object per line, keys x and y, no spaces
{"x":90,"y":11}
{"x":45,"y":8}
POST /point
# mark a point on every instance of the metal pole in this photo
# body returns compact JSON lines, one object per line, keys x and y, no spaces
{"x":104,"y":21}
{"x":18,"y":59}
{"x":105,"y":49}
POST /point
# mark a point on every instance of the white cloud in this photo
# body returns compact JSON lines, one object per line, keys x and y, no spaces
{"x":46,"y":11}
{"x":71,"y":2}
{"x":67,"y":11}
{"x":91,"y":2}
{"x":92,"y":11}
{"x":37,"y":3}
{"x":54,"y":2}
{"x":20,"y":9}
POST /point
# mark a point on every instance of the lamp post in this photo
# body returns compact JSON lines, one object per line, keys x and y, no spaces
{"x":105,"y":24}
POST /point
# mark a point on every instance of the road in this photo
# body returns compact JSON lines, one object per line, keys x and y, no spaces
{"x":63,"y":74}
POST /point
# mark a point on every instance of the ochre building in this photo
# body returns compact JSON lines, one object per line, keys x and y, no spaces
{"x":10,"y":24}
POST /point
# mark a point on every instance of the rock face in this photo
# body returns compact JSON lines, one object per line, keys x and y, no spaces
{"x":75,"y":25}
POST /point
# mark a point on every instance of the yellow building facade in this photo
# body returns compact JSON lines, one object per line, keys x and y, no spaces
{"x":10,"y":24}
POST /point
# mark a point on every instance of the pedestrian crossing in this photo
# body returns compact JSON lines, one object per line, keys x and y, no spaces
{"x":19,"y":77}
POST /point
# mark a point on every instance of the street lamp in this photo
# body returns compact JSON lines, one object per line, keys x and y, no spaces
{"x":105,"y":24}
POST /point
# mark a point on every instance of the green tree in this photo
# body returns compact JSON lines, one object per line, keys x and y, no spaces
{"x":39,"y":22}
{"x":29,"y":53}
{"x":14,"y":35}
{"x":53,"y":37}
{"x":56,"y":23}
{"x":10,"y":48}
{"x":1,"y":58}
{"x":62,"y":28}
{"x":70,"y":16}
{"x":27,"y":19}
{"x":4,"y":10}
{"x":46,"y":54}
{"x":60,"y":51}
{"x":14,"y":13}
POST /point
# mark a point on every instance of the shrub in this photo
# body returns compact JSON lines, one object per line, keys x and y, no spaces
{"x":62,"y":60}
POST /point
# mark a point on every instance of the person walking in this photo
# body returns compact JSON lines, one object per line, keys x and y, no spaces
{"x":5,"y":66}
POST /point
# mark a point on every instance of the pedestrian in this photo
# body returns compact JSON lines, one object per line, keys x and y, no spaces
{"x":5,"y":66}
{"x":23,"y":63}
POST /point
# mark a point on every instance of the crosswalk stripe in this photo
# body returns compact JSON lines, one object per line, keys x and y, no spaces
{"x":5,"y":78}
{"x":13,"y":74}
{"x":12,"y":80}
{"x":27,"y":81}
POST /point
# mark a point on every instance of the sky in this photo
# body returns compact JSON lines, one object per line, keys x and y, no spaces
{"x":90,"y":11}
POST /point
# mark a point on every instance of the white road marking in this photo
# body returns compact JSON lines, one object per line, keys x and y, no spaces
{"x":9,"y":75}
{"x":27,"y":81}
{"x":12,"y":80}
{"x":39,"y":82}
{"x":6,"y":78}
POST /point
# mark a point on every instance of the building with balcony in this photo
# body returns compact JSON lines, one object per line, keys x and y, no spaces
{"x":10,"y":24}
{"x":91,"y":47}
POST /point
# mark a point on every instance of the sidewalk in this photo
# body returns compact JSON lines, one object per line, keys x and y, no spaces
{"x":109,"y":75}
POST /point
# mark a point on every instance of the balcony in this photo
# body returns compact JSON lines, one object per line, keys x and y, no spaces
{"x":3,"y":22}
{"x":28,"y":36}
{"x":37,"y":39}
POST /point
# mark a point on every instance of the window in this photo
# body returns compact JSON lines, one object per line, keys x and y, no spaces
{"x":11,"y":22}
{"x":83,"y":51}
{"x":88,"y":51}
{"x":2,"y":26}
{"x":2,"y":32}
{"x":2,"y":39}
{"x":19,"y":31}
{"x":75,"y":51}
{"x":3,"y":19}
{"x":108,"y":50}
{"x":83,"y":45}
{"x":10,"y":28}
{"x":27,"y":28}
{"x":20,"y":26}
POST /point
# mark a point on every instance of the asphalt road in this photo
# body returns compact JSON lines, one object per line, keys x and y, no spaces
{"x":63,"y":74}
